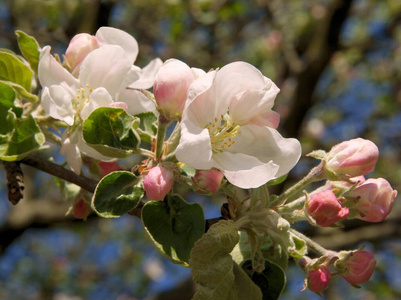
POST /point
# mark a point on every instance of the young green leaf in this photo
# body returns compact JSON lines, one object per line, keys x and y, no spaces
{"x":116,"y":194}
{"x":19,"y":136}
{"x":215,"y":273}
{"x":111,"y":131}
{"x":29,"y":48}
{"x":148,"y":128}
{"x":174,"y":226}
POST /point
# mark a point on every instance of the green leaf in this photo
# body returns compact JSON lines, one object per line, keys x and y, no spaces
{"x":116,"y":194}
{"x":19,"y":136}
{"x":21,"y":90}
{"x":13,"y":70}
{"x":111,"y":131}
{"x":147,"y":125}
{"x":174,"y":226}
{"x":271,"y":281}
{"x":7,"y":97}
{"x":215,"y":273}
{"x":277,"y":180}
{"x":67,"y":190}
{"x":188,"y":171}
{"x":29,"y":48}
{"x":300,"y":248}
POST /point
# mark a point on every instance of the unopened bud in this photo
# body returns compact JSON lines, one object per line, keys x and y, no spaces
{"x":170,"y":87}
{"x":108,"y":167}
{"x":353,"y":158}
{"x":325,"y":208}
{"x":80,"y":46}
{"x":318,"y":278}
{"x":81,"y":209}
{"x":208,"y":182}
{"x":356,"y":267}
{"x":158,"y":182}
{"x":372,"y":200}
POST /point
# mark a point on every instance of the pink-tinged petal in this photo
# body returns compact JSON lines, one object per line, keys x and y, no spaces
{"x":243,"y":170}
{"x":56,"y":101}
{"x":50,"y":71}
{"x":136,"y":101}
{"x":122,"y":105}
{"x":113,"y":36}
{"x":267,"y":144}
{"x":197,"y":73}
{"x":194,"y":148}
{"x":72,"y":155}
{"x":98,"y":98}
{"x":147,"y":75}
{"x":235,"y":78}
{"x":268,"y":118}
{"x":105,"y":67}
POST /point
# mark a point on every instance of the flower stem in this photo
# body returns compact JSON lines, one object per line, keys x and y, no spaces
{"x":161,"y":133}
{"x":311,"y":244}
{"x":316,"y":174}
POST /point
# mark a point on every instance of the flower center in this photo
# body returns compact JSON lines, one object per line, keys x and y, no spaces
{"x":82,"y":98}
{"x":222,"y":132}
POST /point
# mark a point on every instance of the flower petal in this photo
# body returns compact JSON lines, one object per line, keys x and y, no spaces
{"x":267,"y":145}
{"x":194,"y":148}
{"x":243,"y":170}
{"x":56,"y":101}
{"x":50,"y":71}
{"x":136,"y":101}
{"x":113,"y":36}
{"x":105,"y":67}
{"x":147,"y":75}
{"x":72,"y":154}
{"x":98,"y":98}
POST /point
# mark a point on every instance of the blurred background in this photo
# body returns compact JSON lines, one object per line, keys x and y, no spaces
{"x":338,"y":65}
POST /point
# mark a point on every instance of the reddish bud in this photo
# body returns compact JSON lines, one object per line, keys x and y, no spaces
{"x":325,"y":208}
{"x":80,"y":46}
{"x":170,"y":87}
{"x":108,"y":167}
{"x":354,"y":157}
{"x":208,"y":182}
{"x":356,"y":267}
{"x":373,"y":199}
{"x":318,"y":279}
{"x":158,"y":182}
{"x":81,"y":209}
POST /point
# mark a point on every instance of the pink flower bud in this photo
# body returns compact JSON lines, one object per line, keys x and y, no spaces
{"x":325,"y":209}
{"x":357,"y":267}
{"x":318,"y":279}
{"x":108,"y":167}
{"x":208,"y":182}
{"x":354,"y":157}
{"x":373,"y":199}
{"x":80,"y":46}
{"x":158,"y":182}
{"x":170,"y":87}
{"x":81,"y":209}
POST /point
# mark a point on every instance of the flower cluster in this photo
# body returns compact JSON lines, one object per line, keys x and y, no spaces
{"x":214,"y":132}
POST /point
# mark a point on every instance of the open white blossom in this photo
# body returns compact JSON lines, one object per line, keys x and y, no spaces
{"x":228,"y":124}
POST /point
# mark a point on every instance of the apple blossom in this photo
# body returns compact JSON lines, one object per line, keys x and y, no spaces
{"x":170,"y":87}
{"x":325,"y":209}
{"x":318,"y":278}
{"x":79,"y":47}
{"x":354,"y":157}
{"x":208,"y":182}
{"x":228,"y":124}
{"x":158,"y":182}
{"x":372,"y":200}
{"x":356,"y":267}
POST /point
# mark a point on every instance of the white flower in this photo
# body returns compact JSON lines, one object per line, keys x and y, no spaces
{"x":228,"y":124}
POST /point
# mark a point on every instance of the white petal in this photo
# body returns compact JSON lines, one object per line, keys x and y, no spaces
{"x":56,"y":101}
{"x":148,"y":75}
{"x":267,"y":144}
{"x":72,"y":154}
{"x":98,"y":98}
{"x":136,"y":101}
{"x":105,"y":67}
{"x":194,"y":148}
{"x":243,"y":170}
{"x":113,"y":36}
{"x":50,"y":71}
{"x":197,"y":73}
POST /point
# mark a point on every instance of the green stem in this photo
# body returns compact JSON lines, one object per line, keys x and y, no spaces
{"x":311,"y":244}
{"x":316,"y":174}
{"x":161,"y":133}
